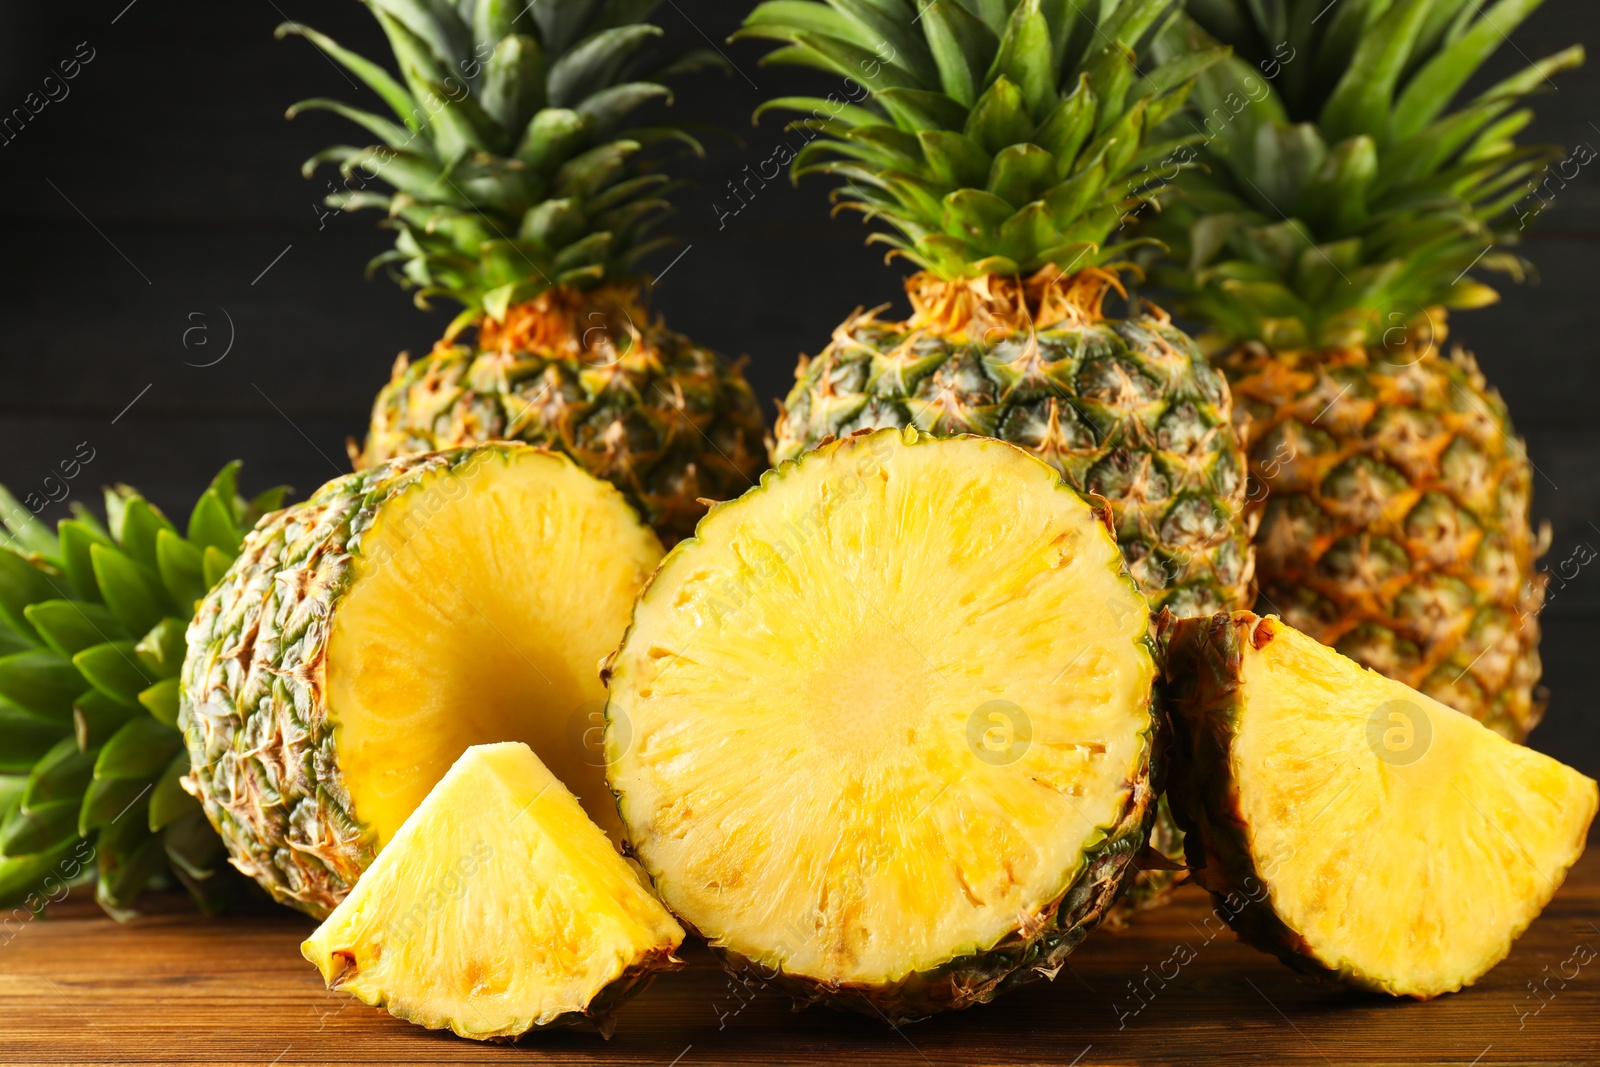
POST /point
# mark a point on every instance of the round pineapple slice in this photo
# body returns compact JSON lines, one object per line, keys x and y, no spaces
{"x":882,"y":728}
{"x":498,"y":908}
{"x":365,"y":638}
{"x":1351,"y":825}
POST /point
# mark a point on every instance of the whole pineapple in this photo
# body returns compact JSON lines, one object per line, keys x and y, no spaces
{"x":1339,"y":211}
{"x":92,"y":619}
{"x":1003,"y":143}
{"x":520,"y":192}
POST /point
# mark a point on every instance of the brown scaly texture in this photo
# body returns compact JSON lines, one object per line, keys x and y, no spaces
{"x":1204,"y":661}
{"x":253,"y":712}
{"x":1126,"y":408}
{"x":1396,"y":526}
{"x":589,"y":374}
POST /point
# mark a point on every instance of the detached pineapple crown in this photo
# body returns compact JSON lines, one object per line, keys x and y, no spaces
{"x":92,"y":622}
{"x":512,"y":168}
{"x":997,"y":136}
{"x":1341,"y":198}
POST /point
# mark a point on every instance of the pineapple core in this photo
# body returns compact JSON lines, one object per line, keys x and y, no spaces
{"x":498,"y":907}
{"x":1406,"y":844}
{"x":482,"y":605}
{"x":880,"y":710}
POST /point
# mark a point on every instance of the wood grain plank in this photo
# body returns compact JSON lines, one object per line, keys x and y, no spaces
{"x":77,"y":988}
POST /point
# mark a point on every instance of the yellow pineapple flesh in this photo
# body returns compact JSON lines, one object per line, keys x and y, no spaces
{"x":1373,"y":833}
{"x":882,"y":728}
{"x":498,"y":908}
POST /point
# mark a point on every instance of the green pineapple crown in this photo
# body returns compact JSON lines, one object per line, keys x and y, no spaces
{"x":92,"y":628}
{"x":1341,"y":198}
{"x":511,"y":166}
{"x":998,"y":136}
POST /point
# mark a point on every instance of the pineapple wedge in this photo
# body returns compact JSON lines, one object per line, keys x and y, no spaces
{"x":1349,"y":824}
{"x":881,"y":730}
{"x":498,"y":908}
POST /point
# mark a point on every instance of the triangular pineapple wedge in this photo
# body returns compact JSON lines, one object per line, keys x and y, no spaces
{"x":1351,"y":825}
{"x":499,"y":907}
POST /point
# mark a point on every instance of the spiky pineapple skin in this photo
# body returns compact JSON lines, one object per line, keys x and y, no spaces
{"x":1204,"y":662}
{"x":1396,"y":526}
{"x":1128,"y":409}
{"x":665,"y":420}
{"x":253,"y":709}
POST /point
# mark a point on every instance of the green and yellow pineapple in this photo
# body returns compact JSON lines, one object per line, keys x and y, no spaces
{"x":92,"y":619}
{"x":1002,"y":143}
{"x":519,"y":190}
{"x":367,"y":637}
{"x":1342,"y":208}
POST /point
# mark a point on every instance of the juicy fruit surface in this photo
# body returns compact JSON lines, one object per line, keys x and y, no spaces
{"x":663,"y":419}
{"x":931,"y":644}
{"x":1402,"y":845}
{"x":1128,"y":409}
{"x":481,"y":620}
{"x":366,"y":637}
{"x":1396,"y":527}
{"x":497,"y":908}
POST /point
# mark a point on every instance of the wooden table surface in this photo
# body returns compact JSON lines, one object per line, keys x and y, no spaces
{"x":173,"y":988}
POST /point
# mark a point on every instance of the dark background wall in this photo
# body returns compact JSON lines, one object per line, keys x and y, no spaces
{"x":157,"y":213}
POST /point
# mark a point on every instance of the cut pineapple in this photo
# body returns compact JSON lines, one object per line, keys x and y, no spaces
{"x":882,"y":729}
{"x":365,"y":638}
{"x":497,"y":908}
{"x":1351,"y":825}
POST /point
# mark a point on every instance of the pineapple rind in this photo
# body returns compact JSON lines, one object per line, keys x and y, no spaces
{"x":260,"y":741}
{"x":254,"y":708}
{"x":667,"y":421}
{"x":1205,"y":701}
{"x":1127,"y":409}
{"x":1397,"y":522}
{"x":1040,"y":943}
